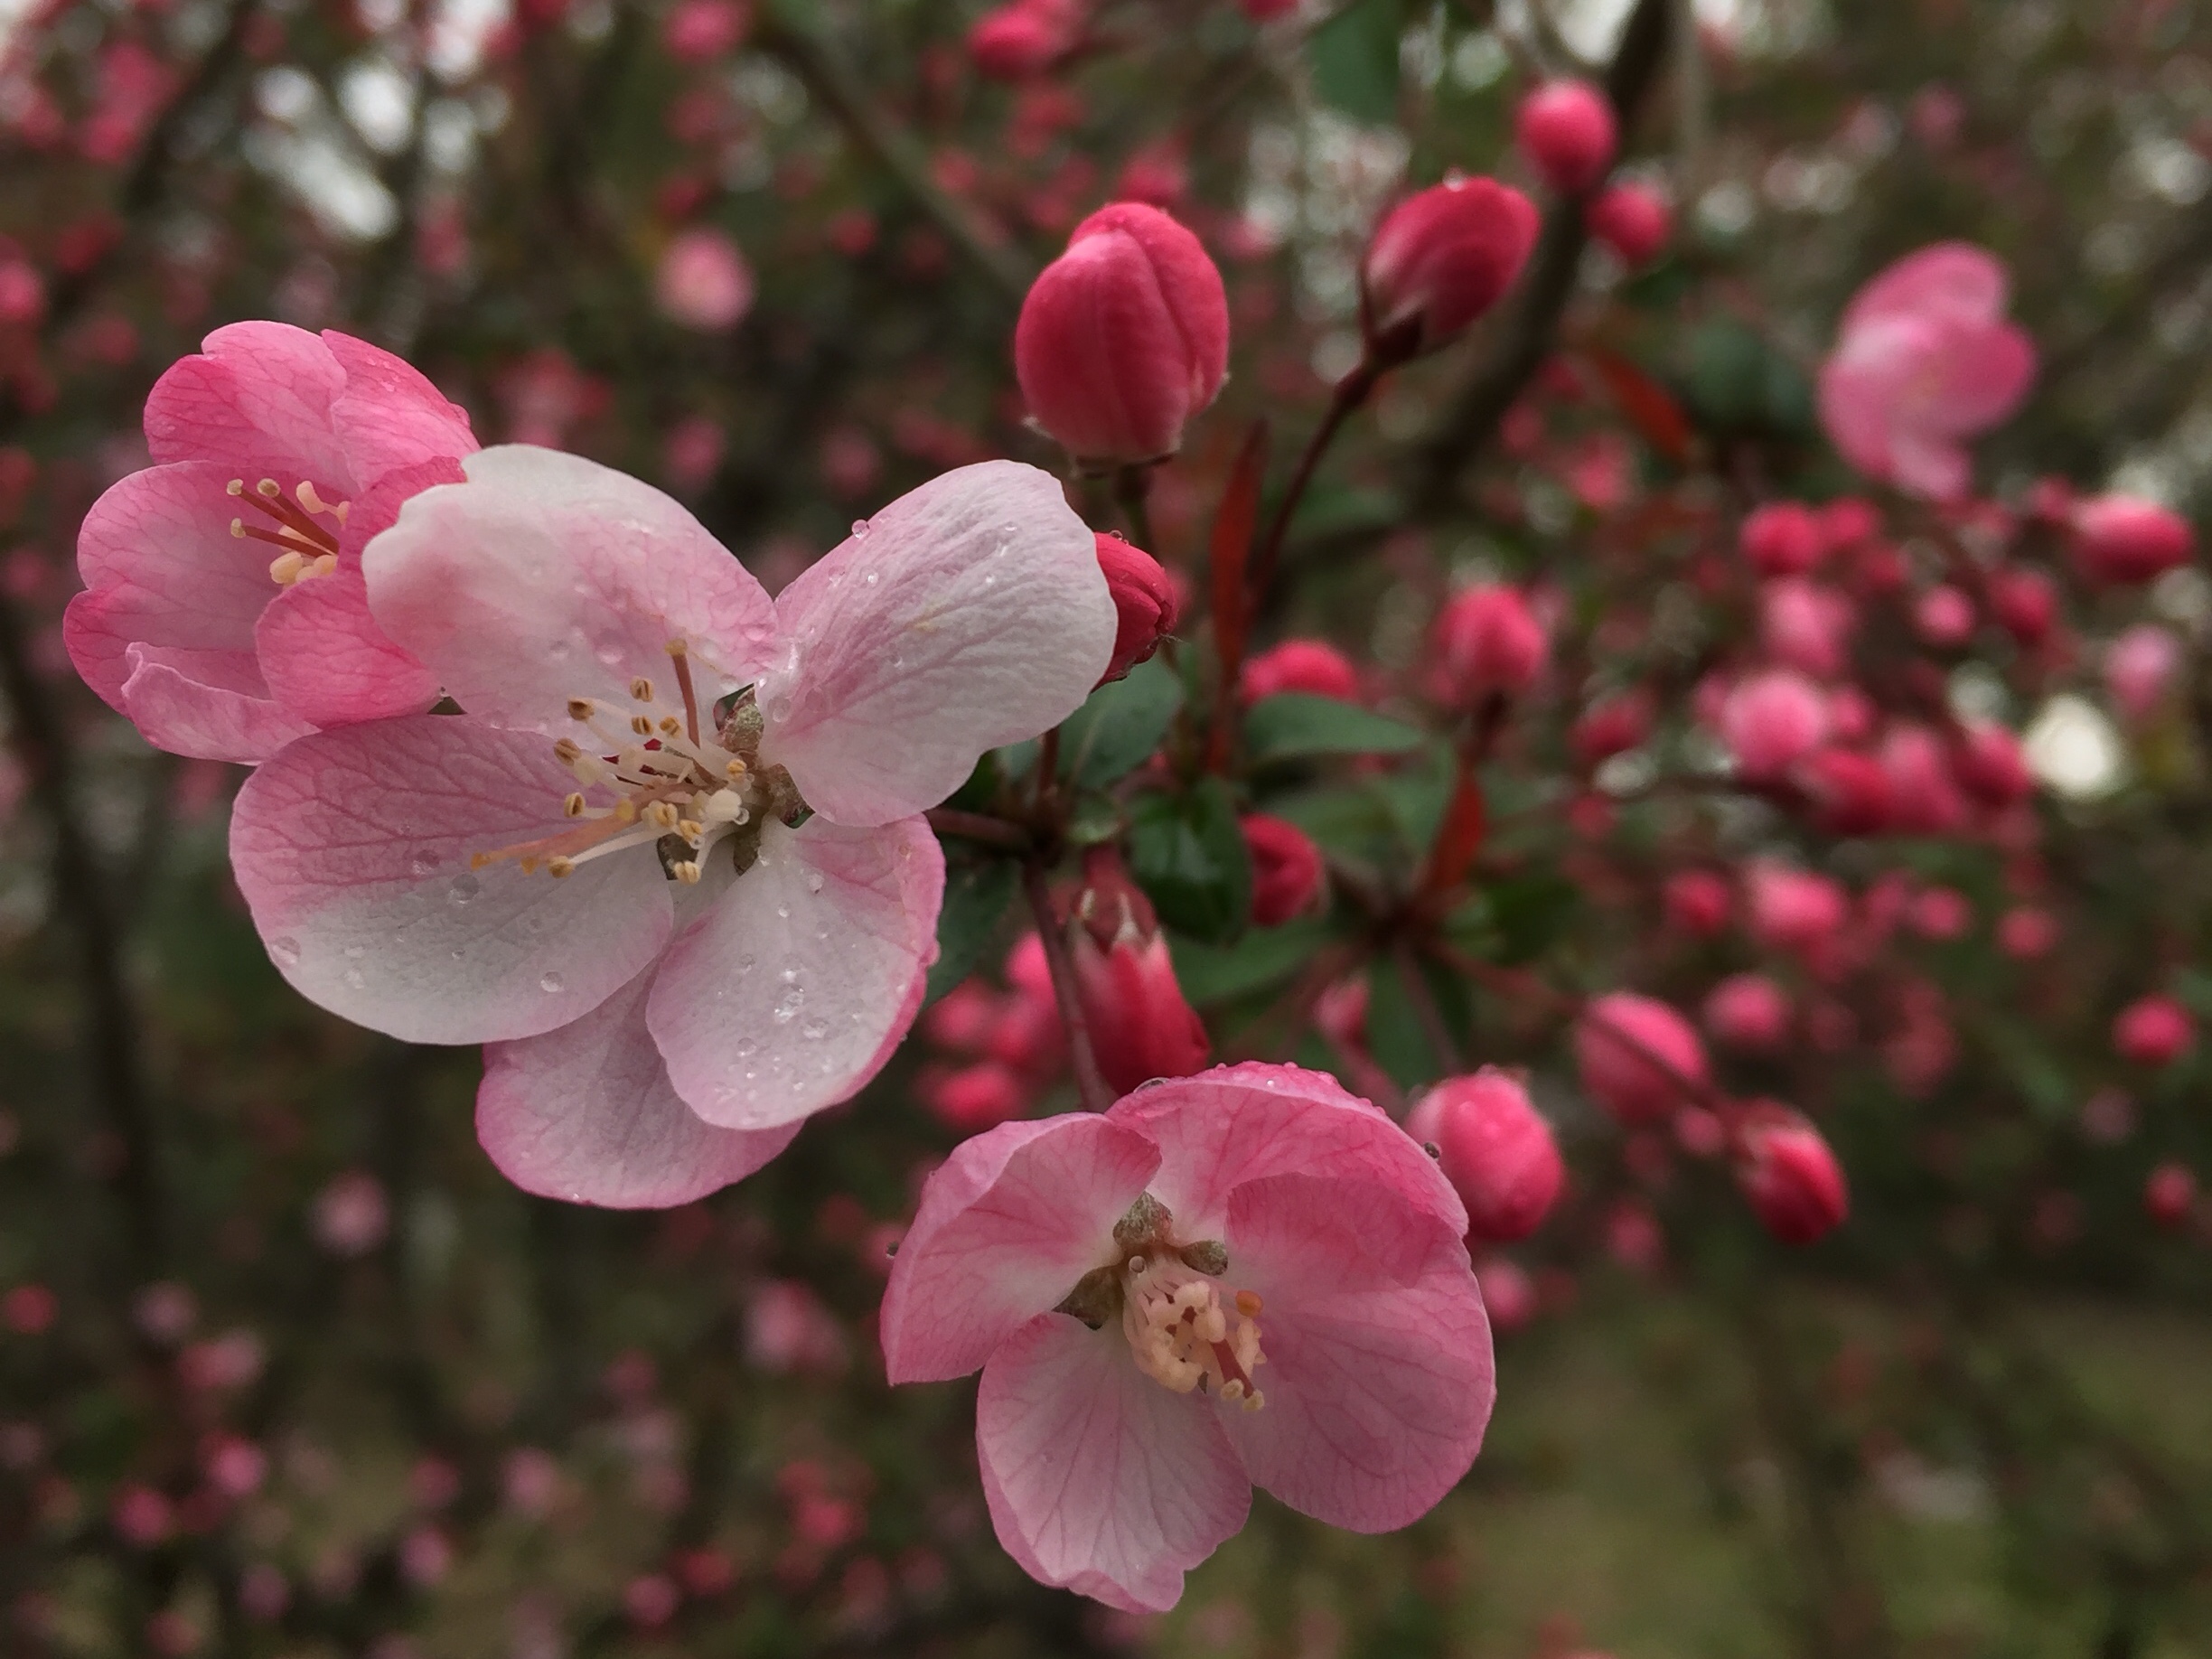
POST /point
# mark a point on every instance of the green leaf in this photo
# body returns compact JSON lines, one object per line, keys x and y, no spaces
{"x":1531,"y":913}
{"x":1188,"y":855}
{"x":1264,"y":957}
{"x":1355,"y":58}
{"x":1296,"y":725}
{"x":975,"y":897}
{"x":1120,"y":727}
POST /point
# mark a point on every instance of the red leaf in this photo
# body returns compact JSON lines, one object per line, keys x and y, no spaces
{"x":1460,"y":836}
{"x":1649,"y":406}
{"x":1230,"y":548}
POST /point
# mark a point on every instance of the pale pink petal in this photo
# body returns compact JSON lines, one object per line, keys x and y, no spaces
{"x":1855,"y":398}
{"x":1378,"y":1380}
{"x":1098,"y":1478}
{"x":1008,"y":1225}
{"x":352,"y":847}
{"x":205,"y":705}
{"x":971,"y":613}
{"x":257,"y":403}
{"x":1238,"y":1123}
{"x":1927,"y":465}
{"x":160,"y":568}
{"x":1955,"y":278}
{"x":388,"y":415}
{"x":548,"y":577}
{"x":796,"y":986}
{"x":327,"y":660}
{"x":586,"y":1113}
{"x":1986,"y":371}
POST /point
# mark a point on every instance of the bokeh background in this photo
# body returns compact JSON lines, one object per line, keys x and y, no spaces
{"x":287,"y":1369}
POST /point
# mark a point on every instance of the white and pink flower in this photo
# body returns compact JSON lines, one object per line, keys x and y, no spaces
{"x":224,"y":612}
{"x":668,"y":863}
{"x":1245,"y":1278}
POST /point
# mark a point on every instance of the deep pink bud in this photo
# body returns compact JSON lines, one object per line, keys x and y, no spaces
{"x":1611,"y":726}
{"x":2025,"y":932}
{"x":1497,"y":1151}
{"x":1313,"y":667}
{"x":1849,"y":791}
{"x":1771,"y":721}
{"x":1508,"y":1293}
{"x":1638,"y":1058}
{"x":704,"y":282}
{"x":1792,"y":909}
{"x":1286,"y":868}
{"x":1943,"y":617}
{"x":2025,"y":604}
{"x":1990,"y":765}
{"x":1805,"y":626}
{"x":1487,"y":643}
{"x":1782,"y":538}
{"x":1024,"y":38}
{"x":1748,"y":1012}
{"x":2139,"y":669}
{"x":1849,"y":520}
{"x":2121,"y":538}
{"x":1791,"y":1178}
{"x":23,"y":293}
{"x":1439,"y":259}
{"x":2153,"y":1031}
{"x":1140,"y":1026}
{"x":695,"y":31}
{"x":2169,"y":1194}
{"x":974,"y":1098}
{"x":1632,"y":220}
{"x":1567,"y":130}
{"x":1697,"y":902}
{"x":1124,"y":337}
{"x":1144,"y":601}
{"x":1923,"y":796}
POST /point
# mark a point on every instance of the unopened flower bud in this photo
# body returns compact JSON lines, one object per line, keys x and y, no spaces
{"x":2139,"y":669}
{"x":1790,"y":1176}
{"x":704,"y":282}
{"x":1487,"y":643}
{"x":2121,"y":538}
{"x":2169,"y":1194}
{"x":1943,"y":617}
{"x":1790,"y":909}
{"x":1749,"y":1013}
{"x":1611,"y":726}
{"x":974,"y":1098}
{"x":1632,"y":220}
{"x":1140,"y":1026}
{"x":1509,"y":1294}
{"x":1496,"y":1150}
{"x":1638,"y":1058}
{"x":1286,"y":868}
{"x":1697,"y":902}
{"x":2025,"y":604}
{"x":1782,"y":538}
{"x":1849,"y":792}
{"x":1567,"y":130}
{"x":1771,"y":721}
{"x":1990,"y":765}
{"x":1024,"y":38}
{"x":1313,"y":667}
{"x":1438,"y":260}
{"x":1124,"y":337}
{"x":2153,"y":1031}
{"x":1144,"y":601}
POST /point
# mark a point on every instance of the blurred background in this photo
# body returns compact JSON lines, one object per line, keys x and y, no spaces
{"x":287,"y":1369}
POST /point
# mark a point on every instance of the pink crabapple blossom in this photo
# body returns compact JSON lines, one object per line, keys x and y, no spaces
{"x":269,"y":438}
{"x":602,"y":870}
{"x":1495,"y":1150}
{"x":1638,"y":1058}
{"x":1245,"y":1278}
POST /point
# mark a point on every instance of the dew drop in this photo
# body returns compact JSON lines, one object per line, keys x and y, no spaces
{"x":464,"y":888}
{"x":748,"y":1047}
{"x":860,"y":529}
{"x":550,"y":983}
{"x":814,"y":1030}
{"x":784,"y":911}
{"x":790,"y":976}
{"x":421,"y":862}
{"x":609,"y":655}
{"x":285,"y":951}
{"x":814,"y":881}
{"x":871,"y":578}
{"x":354,"y":953}
{"x":353,"y":980}
{"x":787,"y":1010}
{"x":745,"y":964}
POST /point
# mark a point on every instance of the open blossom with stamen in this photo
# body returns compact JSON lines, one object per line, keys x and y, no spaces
{"x":669,"y":863}
{"x":1245,"y":1278}
{"x":224,"y":610}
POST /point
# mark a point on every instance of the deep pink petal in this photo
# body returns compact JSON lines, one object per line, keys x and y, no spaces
{"x":160,"y":568}
{"x":586,"y":1113}
{"x":795,"y":987}
{"x":353,"y":849}
{"x":1928,"y":465}
{"x":971,"y":613}
{"x":1098,"y":1478}
{"x":1009,"y":1224}
{"x":1238,"y":1123}
{"x":258,"y":404}
{"x":388,"y":415}
{"x":548,"y":577}
{"x":327,"y":660}
{"x":1953,"y":278}
{"x":1986,"y":372}
{"x":205,"y":705}
{"x":1378,"y":1379}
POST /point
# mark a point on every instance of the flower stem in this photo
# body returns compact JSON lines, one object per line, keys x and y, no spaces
{"x":1090,"y":1083}
{"x":1351,"y":392}
{"x":1133,"y":494}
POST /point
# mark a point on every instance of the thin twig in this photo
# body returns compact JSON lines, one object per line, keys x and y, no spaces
{"x":981,"y":826}
{"x":1089,"y":1082}
{"x":1351,"y":392}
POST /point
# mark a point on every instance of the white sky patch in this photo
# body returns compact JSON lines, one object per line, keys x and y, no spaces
{"x":458,"y":31}
{"x":379,"y":101}
{"x":2074,"y":749}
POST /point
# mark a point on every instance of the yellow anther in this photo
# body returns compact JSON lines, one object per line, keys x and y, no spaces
{"x":574,"y":806}
{"x":735,"y":770}
{"x":567,"y":751}
{"x":687,"y":873}
{"x":237,"y":486}
{"x":661,"y":815}
{"x":641,"y":688}
{"x":579,"y":709}
{"x":286,"y":569}
{"x":324,"y":564}
{"x":478,"y":860}
{"x":642,"y":725}
{"x":691,"y":830}
{"x":267,"y":487}
{"x":670,"y":727}
{"x":1248,"y":1304}
{"x":625,"y":811}
{"x":558,"y":866}
{"x":675,"y":648}
{"x":528,"y":863}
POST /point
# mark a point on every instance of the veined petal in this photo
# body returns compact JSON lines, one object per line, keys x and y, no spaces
{"x":256,"y":401}
{"x":794,"y":988}
{"x":972,"y":613}
{"x":1098,"y":1478}
{"x":352,"y":849}
{"x":545,"y":577}
{"x":1007,"y":1224}
{"x":207,"y":705}
{"x":388,"y":415}
{"x":1378,"y":1379}
{"x":1238,"y":1123}
{"x":328,"y":662}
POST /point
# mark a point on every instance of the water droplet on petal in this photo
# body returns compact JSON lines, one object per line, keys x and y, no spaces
{"x":421,"y":862}
{"x":860,"y":529}
{"x":787,"y":1010}
{"x":550,"y":983}
{"x":871,"y":578}
{"x":784,"y":911}
{"x":814,"y":881}
{"x":354,"y":953}
{"x":814,"y":1030}
{"x":747,"y":1046}
{"x":285,"y":953}
{"x":353,"y":980}
{"x":745,"y":964}
{"x":464,"y":888}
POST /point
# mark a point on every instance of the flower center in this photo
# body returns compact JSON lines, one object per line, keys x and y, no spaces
{"x":1184,"y":1336}
{"x":650,"y":777}
{"x":310,"y":548}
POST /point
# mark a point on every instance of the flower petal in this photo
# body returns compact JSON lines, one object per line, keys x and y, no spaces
{"x":390,"y":415}
{"x":586,"y":1113}
{"x":206,"y":705}
{"x":1098,"y":1478}
{"x":1009,"y":1224}
{"x":1238,"y":1123}
{"x":546,"y":576}
{"x":793,"y":990}
{"x":971,"y":613}
{"x":257,"y":403}
{"x":353,"y":849}
{"x":1378,"y":1382}
{"x":328,"y":662}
